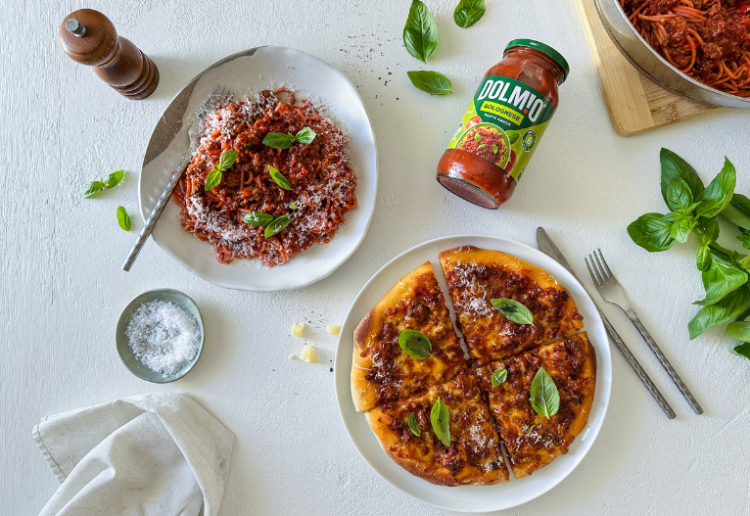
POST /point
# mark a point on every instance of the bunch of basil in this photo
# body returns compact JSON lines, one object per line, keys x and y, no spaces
{"x":694,"y":208}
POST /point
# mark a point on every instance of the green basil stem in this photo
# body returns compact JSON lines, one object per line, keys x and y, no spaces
{"x":717,"y":249}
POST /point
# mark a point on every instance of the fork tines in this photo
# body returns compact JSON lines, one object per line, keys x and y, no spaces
{"x":599,"y":270}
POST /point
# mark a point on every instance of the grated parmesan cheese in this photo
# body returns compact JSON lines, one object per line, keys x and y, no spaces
{"x":298,"y":329}
{"x":163,"y":336}
{"x":309,"y":355}
{"x":334,"y":330}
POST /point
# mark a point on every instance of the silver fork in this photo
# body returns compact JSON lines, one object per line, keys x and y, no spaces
{"x":220,"y":94}
{"x":612,"y":292}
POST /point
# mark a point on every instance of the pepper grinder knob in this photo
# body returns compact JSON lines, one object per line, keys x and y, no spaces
{"x":88,"y":37}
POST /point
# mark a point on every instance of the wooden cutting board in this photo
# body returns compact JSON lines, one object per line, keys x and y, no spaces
{"x":636,"y":103}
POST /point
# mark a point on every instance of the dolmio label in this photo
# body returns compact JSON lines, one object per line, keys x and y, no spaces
{"x":504,"y":123}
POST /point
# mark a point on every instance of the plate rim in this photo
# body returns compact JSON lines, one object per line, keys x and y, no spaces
{"x":343,"y":386}
{"x":191,"y":84}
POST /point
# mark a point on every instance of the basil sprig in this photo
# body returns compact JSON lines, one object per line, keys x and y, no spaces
{"x":440,"y":417}
{"x":468,"y":12}
{"x":279,"y":178}
{"x":513,"y":310}
{"x":123,"y":219}
{"x":434,"y":83}
{"x":413,"y":424}
{"x":278,"y":224}
{"x":498,"y":377}
{"x":694,"y":209}
{"x":420,"y":32}
{"x":415,"y":344}
{"x":226,"y":160}
{"x":105,"y":183}
{"x":545,"y":399}
{"x":257,"y":218}
{"x":284,"y":141}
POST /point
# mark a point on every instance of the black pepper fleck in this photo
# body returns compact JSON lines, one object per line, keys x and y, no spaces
{"x":331,"y":369}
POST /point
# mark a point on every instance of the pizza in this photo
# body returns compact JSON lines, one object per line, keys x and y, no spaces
{"x":382,"y":371}
{"x":473,"y":455}
{"x":531,"y":439}
{"x":476,"y":277}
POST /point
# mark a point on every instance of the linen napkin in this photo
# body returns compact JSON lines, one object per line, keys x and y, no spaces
{"x":148,"y":455}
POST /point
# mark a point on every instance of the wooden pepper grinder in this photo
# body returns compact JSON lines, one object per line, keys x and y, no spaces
{"x":89,"y":38}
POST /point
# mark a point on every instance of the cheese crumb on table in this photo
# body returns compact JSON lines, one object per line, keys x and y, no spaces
{"x":334,"y":329}
{"x":292,"y":356}
{"x":297,"y":329}
{"x":309,"y":355}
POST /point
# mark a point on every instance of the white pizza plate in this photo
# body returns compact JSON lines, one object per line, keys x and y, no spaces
{"x":245,"y":74}
{"x":470,"y":498}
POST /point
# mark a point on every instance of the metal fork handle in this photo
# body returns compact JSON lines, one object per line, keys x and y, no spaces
{"x":155,"y":214}
{"x":637,"y":367}
{"x":664,"y":361}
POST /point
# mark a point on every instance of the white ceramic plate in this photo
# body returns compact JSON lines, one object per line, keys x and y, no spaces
{"x":245,"y":74}
{"x":470,"y":498}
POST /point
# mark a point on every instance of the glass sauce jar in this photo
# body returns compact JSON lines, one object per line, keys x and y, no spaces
{"x":504,"y":123}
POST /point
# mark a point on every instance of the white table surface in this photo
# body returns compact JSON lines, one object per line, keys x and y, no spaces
{"x":63,"y":290}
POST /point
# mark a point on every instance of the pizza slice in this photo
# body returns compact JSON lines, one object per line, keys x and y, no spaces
{"x":531,"y":439}
{"x":444,"y":436}
{"x":476,"y":277}
{"x":405,"y":344}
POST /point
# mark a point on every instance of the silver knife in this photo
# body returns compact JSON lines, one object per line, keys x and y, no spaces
{"x":548,"y":247}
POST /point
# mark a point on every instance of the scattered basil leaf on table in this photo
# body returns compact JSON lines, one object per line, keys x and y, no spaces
{"x":305,"y":136}
{"x":681,"y":225}
{"x":679,"y":195}
{"x":673,"y":166}
{"x":719,"y":192}
{"x":498,"y":377}
{"x":513,"y":310}
{"x":440,"y":418}
{"x":278,"y":224}
{"x":123,"y":219}
{"x":434,"y":83}
{"x":703,"y":260}
{"x":739,"y":330}
{"x":468,"y":12}
{"x":713,"y":315}
{"x":420,"y":32}
{"x":545,"y":399}
{"x":652,"y":232}
{"x":413,"y":425}
{"x":257,"y":218}
{"x":720,"y":279}
{"x":279,"y":178}
{"x":415,"y":344}
{"x":105,"y":183}
{"x":709,"y":230}
{"x":743,"y":350}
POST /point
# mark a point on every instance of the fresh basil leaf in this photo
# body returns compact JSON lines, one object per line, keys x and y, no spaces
{"x":710,"y":229}
{"x":719,"y":192}
{"x":305,"y":136}
{"x":513,"y":310}
{"x":736,"y":216}
{"x":743,"y":350}
{"x":498,"y":377}
{"x":213,"y":179}
{"x":745,"y":262}
{"x":494,"y":148}
{"x":113,"y":179}
{"x":679,"y":195}
{"x":483,"y":146}
{"x":227,"y":159}
{"x":279,"y":178}
{"x":652,"y":232}
{"x":420,"y":32}
{"x":530,"y":429}
{"x":434,"y":83}
{"x":682,"y":226}
{"x":413,"y":424}
{"x":278,"y":140}
{"x":277,"y":225}
{"x":741,"y":203}
{"x":703,"y":260}
{"x":415,"y":344}
{"x":713,"y":315}
{"x":257,"y":218}
{"x":545,"y":399}
{"x":477,"y":137}
{"x":720,"y":279}
{"x":440,"y":417}
{"x":468,"y":12}
{"x":513,"y":136}
{"x":93,"y":188}
{"x":739,"y":330}
{"x":123,"y":219}
{"x":673,"y":166}
{"x":293,"y":206}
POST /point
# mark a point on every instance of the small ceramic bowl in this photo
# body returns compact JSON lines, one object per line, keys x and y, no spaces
{"x":126,"y":352}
